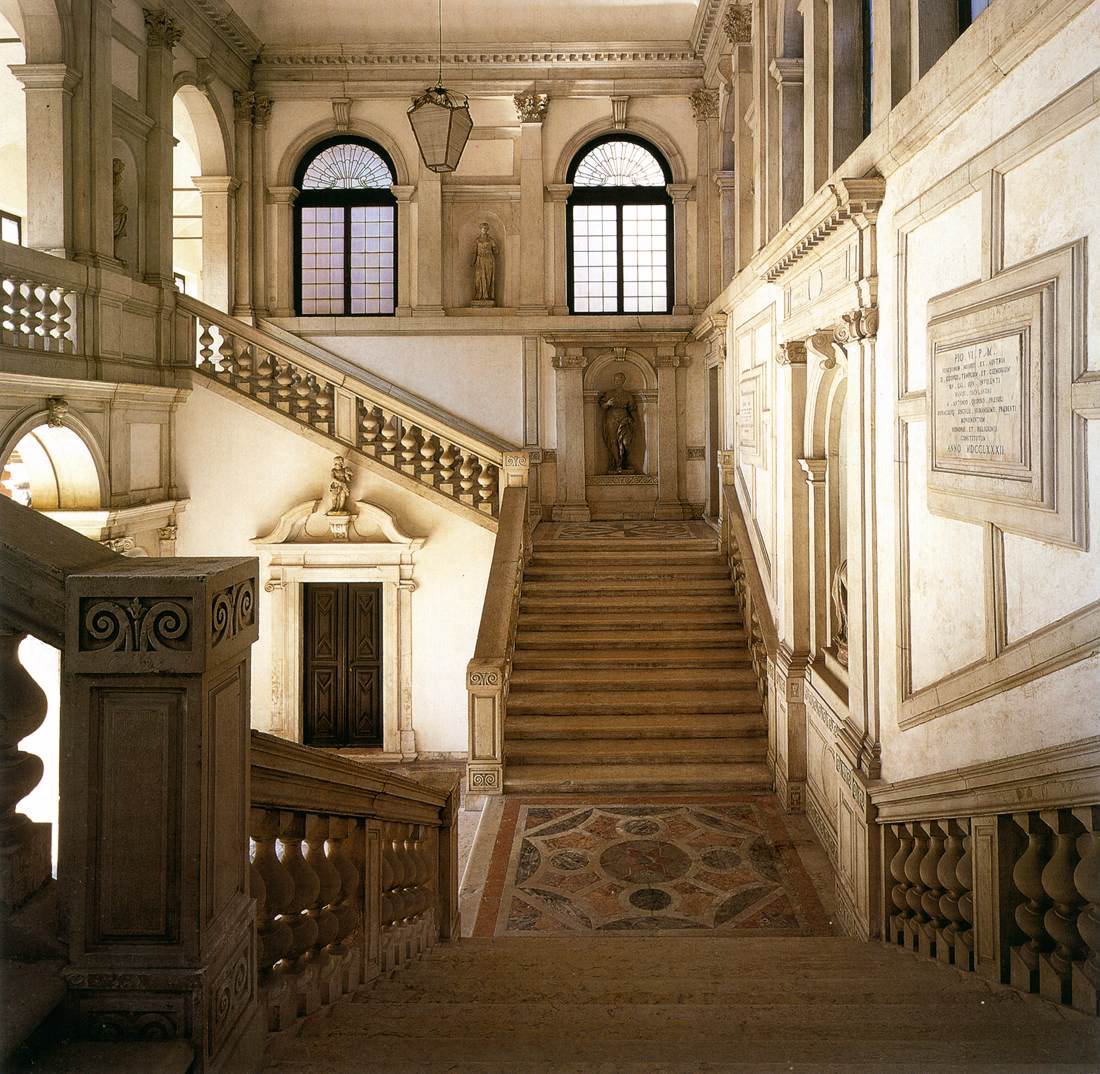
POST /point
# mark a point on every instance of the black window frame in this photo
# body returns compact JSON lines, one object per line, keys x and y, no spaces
{"x":348,"y":199}
{"x":17,"y":221}
{"x":620,"y":196}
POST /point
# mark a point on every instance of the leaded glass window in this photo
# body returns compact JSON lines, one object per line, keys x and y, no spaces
{"x":619,"y":229}
{"x":346,"y":231}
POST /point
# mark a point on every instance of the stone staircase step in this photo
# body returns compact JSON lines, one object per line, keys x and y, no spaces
{"x":633,"y":679}
{"x":613,"y":751}
{"x":657,"y":702}
{"x":635,"y":778}
{"x":630,"y":619}
{"x":627,"y":584}
{"x":606,"y":639}
{"x":655,"y":602}
{"x":684,"y":725}
{"x":618,"y":546}
{"x":566,"y":658}
{"x":581,"y":559}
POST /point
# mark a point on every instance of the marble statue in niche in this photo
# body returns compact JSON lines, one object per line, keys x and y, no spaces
{"x":121,"y":209}
{"x":620,"y":410}
{"x":485,"y":268}
{"x":839,"y":596}
{"x":340,"y":492}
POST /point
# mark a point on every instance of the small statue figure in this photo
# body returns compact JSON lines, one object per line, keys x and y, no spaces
{"x":485,"y":268}
{"x":121,"y":210}
{"x":340,"y":486}
{"x":839,"y":594}
{"x":619,"y":410}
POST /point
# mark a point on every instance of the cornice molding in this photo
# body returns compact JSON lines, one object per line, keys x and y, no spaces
{"x":229,"y":27}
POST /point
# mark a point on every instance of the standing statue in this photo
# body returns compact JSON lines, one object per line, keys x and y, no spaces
{"x":121,"y":210}
{"x":619,"y":409}
{"x":839,"y":596}
{"x":340,"y":486}
{"x":485,"y":268}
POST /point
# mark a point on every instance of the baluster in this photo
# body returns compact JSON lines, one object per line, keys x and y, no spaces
{"x":9,"y":311}
{"x":206,"y":349}
{"x":410,"y":448}
{"x":930,"y":897}
{"x":360,"y":897}
{"x":487,"y":487}
{"x":265,"y":375}
{"x":947,"y":872}
{"x":1027,"y":875}
{"x":1086,"y":974}
{"x":50,"y":309}
{"x":305,"y":396}
{"x":66,"y":321}
{"x":390,"y":436}
{"x":447,"y":466}
{"x":429,"y":459}
{"x":24,"y":845}
{"x":286,"y":378}
{"x":964,"y":872}
{"x":370,"y":424}
{"x":1056,"y":968}
{"x":915,"y":891}
{"x":343,"y":908}
{"x":33,"y":320}
{"x":897,"y":920}
{"x":322,"y":405}
{"x":466,"y":471}
{"x":274,"y":934}
{"x":389,"y":878}
{"x":227,"y":360}
{"x":328,"y":892}
{"x":303,"y":926}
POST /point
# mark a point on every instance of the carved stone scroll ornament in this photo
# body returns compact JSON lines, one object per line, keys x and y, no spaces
{"x":793,"y":352}
{"x":231,"y":611}
{"x":140,"y":625}
{"x":738,"y":24}
{"x":839,"y":597}
{"x":531,"y":107}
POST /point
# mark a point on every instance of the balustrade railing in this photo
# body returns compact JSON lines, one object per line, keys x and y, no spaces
{"x":1012,"y":896}
{"x":354,"y":872}
{"x":417,"y":443}
{"x":39,"y":301}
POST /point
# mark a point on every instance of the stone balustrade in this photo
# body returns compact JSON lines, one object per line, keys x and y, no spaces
{"x":489,"y":671}
{"x":427,"y":450}
{"x":1013,"y":896}
{"x":354,"y":872}
{"x":39,"y":302}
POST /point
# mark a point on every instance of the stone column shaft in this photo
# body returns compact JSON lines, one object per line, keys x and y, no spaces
{"x":217,"y":202}
{"x":260,"y":116}
{"x":282,"y":260}
{"x":727,"y":214}
{"x":242,"y":252}
{"x":559,"y":197}
{"x":572,"y":492}
{"x":162,"y":34}
{"x":680,"y":192}
{"x":815,"y":100}
{"x":788,"y":77}
{"x":532,"y":243}
{"x":669,"y":504}
{"x":429,"y":244}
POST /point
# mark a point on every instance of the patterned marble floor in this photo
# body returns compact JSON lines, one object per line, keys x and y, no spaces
{"x":725,"y":866}
{"x":625,"y":530}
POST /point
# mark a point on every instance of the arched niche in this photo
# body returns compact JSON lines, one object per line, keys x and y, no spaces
{"x":129,"y":245}
{"x":51,"y":468}
{"x":641,"y":128}
{"x":464,"y":227}
{"x":641,"y":381}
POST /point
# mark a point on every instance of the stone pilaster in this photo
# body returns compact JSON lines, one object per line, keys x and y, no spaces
{"x":559,"y":198}
{"x":217,"y":213}
{"x":261,"y":115}
{"x":404,"y":195}
{"x":726,"y":184}
{"x":162,"y":35}
{"x":405,"y":589}
{"x":531,"y":109}
{"x":787,"y":73}
{"x":572,"y":492}
{"x":704,"y":104}
{"x":429,"y":246}
{"x":669,"y":502}
{"x":282,"y":260}
{"x":680,"y":192}
{"x":243,"y":102}
{"x":815,"y":99}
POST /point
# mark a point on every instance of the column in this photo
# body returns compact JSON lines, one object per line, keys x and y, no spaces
{"x":217,"y":200}
{"x":704,"y":105}
{"x":162,"y":35}
{"x":155,"y":799}
{"x":404,"y":194}
{"x":48,"y":93}
{"x":405,"y":589}
{"x":282,"y":259}
{"x":815,"y":96}
{"x":727,"y":213}
{"x":845,"y":79}
{"x":572,"y":493}
{"x":744,"y":158}
{"x":559,"y":197}
{"x":242,"y":251}
{"x":814,"y":471}
{"x":261,"y":114}
{"x":679,"y":192}
{"x":787,"y":73}
{"x":429,"y":244}
{"x":531,"y":109}
{"x":669,"y":504}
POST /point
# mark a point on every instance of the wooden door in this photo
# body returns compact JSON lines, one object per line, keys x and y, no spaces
{"x":342,"y":667}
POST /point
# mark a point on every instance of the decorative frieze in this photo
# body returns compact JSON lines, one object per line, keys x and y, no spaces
{"x":531,"y":107}
{"x":696,"y":453}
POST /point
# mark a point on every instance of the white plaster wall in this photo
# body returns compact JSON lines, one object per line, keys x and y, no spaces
{"x":222,"y":446}
{"x":478,"y":378}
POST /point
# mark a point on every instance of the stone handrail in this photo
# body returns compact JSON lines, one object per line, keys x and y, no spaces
{"x":354,"y":871}
{"x":995,"y":870}
{"x":40,"y":301}
{"x":421,"y":446}
{"x":488,"y":672}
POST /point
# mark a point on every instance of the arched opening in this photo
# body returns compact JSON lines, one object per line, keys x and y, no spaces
{"x":13,"y":135}
{"x":50,"y":468}
{"x":345,"y":235}
{"x":201,"y":193}
{"x":619,"y":238}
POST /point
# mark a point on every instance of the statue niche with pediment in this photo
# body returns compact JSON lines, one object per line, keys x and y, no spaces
{"x":619,"y":408}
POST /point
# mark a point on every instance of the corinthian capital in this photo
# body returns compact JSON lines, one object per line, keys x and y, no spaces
{"x":261,"y":109}
{"x":738,"y":24}
{"x":531,"y":107}
{"x":243,"y":103}
{"x":704,"y":103}
{"x":161,"y":30}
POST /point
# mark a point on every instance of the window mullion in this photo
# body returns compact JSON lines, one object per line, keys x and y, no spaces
{"x":347,"y":260}
{"x":619,"y":253}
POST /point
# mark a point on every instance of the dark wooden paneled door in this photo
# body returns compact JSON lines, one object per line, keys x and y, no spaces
{"x":342,"y":669}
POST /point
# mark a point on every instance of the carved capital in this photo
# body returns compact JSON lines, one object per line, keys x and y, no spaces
{"x":56,"y":409}
{"x":857,"y":325}
{"x":793,"y":352}
{"x":531,"y":107}
{"x":704,"y":104}
{"x":243,"y":103}
{"x":738,"y":24}
{"x":168,"y":533}
{"x":261,"y":109}
{"x":161,"y":30}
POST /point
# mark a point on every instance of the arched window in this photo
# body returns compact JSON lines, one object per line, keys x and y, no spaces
{"x":346,"y":230}
{"x":619,"y":228}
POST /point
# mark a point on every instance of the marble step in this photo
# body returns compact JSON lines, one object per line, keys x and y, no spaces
{"x":629,"y":680}
{"x":583,"y":559}
{"x":648,"y":752}
{"x":611,"y":544}
{"x":606,"y":640}
{"x":620,"y":725}
{"x":657,"y":702}
{"x":635,"y":778}
{"x":627,"y":584}
{"x":660,"y":601}
{"x":672,"y":569}
{"x":632,"y":619}
{"x":634,"y":657}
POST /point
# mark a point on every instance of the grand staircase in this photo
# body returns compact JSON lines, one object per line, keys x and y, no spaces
{"x":685,"y":1005}
{"x":631,"y":669}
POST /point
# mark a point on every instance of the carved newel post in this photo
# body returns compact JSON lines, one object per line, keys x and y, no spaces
{"x":155,"y":798}
{"x":485,"y":269}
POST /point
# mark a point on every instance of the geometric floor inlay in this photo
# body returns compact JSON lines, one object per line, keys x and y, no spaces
{"x":724,"y":866}
{"x":652,"y":531}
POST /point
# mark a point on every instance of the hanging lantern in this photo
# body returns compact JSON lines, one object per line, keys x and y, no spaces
{"x":440,"y":123}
